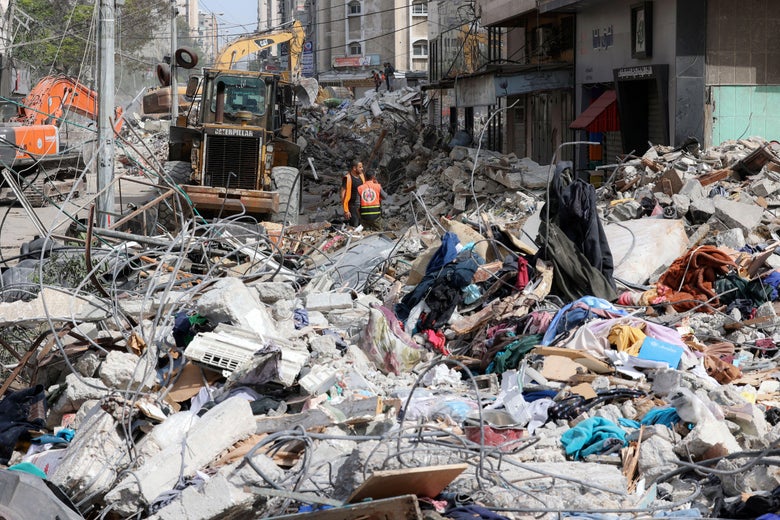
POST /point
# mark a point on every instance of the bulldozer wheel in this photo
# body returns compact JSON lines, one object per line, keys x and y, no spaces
{"x":186,"y":58}
{"x":284,"y":181}
{"x":168,"y":217}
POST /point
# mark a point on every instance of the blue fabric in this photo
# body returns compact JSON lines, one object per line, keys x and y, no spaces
{"x":445,"y":254}
{"x":769,"y":516}
{"x":629,"y":423}
{"x":300,"y":318}
{"x":28,"y":467}
{"x":772,"y":279}
{"x":565,"y":319}
{"x":589,"y":437}
{"x":666,"y":416}
{"x":535,"y":395}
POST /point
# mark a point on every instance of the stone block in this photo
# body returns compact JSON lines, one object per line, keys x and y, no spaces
{"x":324,"y":346}
{"x":764,"y":187}
{"x":738,"y":214}
{"x":707,"y":440}
{"x":272,"y":292}
{"x":656,"y":457}
{"x":701,"y":210}
{"x":127,"y":371}
{"x":225,"y":495}
{"x":681,"y":203}
{"x":87,"y":364}
{"x":626,"y":211}
{"x":693,"y":189}
{"x":666,"y":380}
{"x":325,"y":302}
{"x":78,"y":391}
{"x":455,"y":174}
{"x":170,"y":432}
{"x":204,"y":441}
{"x":319,"y":379}
{"x":91,"y":462}
{"x":230,"y":301}
{"x":55,"y":305}
{"x":733,"y":238}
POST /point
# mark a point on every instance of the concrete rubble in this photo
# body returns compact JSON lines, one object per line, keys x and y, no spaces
{"x":478,"y":353}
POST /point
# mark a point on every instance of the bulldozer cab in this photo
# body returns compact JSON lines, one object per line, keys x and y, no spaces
{"x":230,"y":98}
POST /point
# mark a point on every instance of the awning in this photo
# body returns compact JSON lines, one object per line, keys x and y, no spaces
{"x":600,"y":116}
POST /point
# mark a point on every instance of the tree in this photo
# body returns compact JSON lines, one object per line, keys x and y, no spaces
{"x":61,"y":35}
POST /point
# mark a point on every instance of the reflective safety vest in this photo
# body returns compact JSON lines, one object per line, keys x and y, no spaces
{"x":348,"y":190}
{"x":370,"y":200}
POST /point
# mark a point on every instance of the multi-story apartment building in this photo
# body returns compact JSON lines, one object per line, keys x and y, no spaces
{"x":639,"y":73}
{"x":354,"y":37}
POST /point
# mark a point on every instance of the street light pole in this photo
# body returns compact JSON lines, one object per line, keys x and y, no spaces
{"x":174,"y":85}
{"x":105,"y":169}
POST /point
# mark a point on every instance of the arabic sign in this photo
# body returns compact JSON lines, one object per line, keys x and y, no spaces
{"x":356,"y":61}
{"x":307,"y":59}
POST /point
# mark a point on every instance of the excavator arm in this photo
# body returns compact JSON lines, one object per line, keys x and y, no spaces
{"x":257,"y":42}
{"x":52,"y":96}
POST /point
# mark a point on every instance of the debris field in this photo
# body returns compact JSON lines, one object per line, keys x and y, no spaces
{"x":518,"y":342}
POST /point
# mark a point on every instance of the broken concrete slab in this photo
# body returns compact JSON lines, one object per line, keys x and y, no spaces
{"x":642,"y":246}
{"x":204,"y":441}
{"x":55,"y":305}
{"x":92,"y":461}
{"x":231,"y":301}
{"x":737,"y":214}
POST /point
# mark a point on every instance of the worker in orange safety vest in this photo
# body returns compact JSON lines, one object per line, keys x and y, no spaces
{"x":371,"y":194}
{"x":350,"y":198}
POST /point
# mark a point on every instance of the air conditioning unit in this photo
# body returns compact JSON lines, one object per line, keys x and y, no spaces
{"x":224,"y":348}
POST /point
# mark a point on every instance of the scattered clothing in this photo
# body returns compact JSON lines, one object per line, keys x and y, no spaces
{"x":591,"y":436}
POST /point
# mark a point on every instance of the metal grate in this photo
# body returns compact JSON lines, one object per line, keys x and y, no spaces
{"x":226,"y":154}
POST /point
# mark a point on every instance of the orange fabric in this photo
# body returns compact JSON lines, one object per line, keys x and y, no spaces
{"x":691,"y":277}
{"x":348,"y":191}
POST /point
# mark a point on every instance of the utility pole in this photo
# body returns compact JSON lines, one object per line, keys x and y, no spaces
{"x":105,"y":169}
{"x":174,"y":85}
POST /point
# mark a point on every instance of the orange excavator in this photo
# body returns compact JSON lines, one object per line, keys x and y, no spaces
{"x":31,"y":142}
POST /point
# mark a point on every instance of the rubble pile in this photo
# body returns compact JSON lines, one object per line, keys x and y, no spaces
{"x":520,"y":343}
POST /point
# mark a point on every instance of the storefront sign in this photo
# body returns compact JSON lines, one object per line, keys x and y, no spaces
{"x":645,"y":72}
{"x":356,"y":61}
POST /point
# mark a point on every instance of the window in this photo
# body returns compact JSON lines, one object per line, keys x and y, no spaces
{"x":420,"y":49}
{"x":419,"y":9}
{"x":355,"y":49}
{"x":354,"y":8}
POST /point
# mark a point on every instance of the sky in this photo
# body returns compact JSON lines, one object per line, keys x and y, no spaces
{"x":238,"y":16}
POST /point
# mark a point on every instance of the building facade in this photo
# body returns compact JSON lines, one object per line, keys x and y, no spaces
{"x":642,"y":73}
{"x":354,"y":37}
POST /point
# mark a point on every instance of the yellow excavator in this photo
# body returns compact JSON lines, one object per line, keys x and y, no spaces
{"x":157,"y":101}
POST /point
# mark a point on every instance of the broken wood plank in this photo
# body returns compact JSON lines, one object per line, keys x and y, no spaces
{"x":715,"y":176}
{"x":427,"y":481}
{"x":763,"y":320}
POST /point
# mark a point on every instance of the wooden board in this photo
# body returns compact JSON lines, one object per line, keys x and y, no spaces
{"x":590,"y":362}
{"x":427,"y":481}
